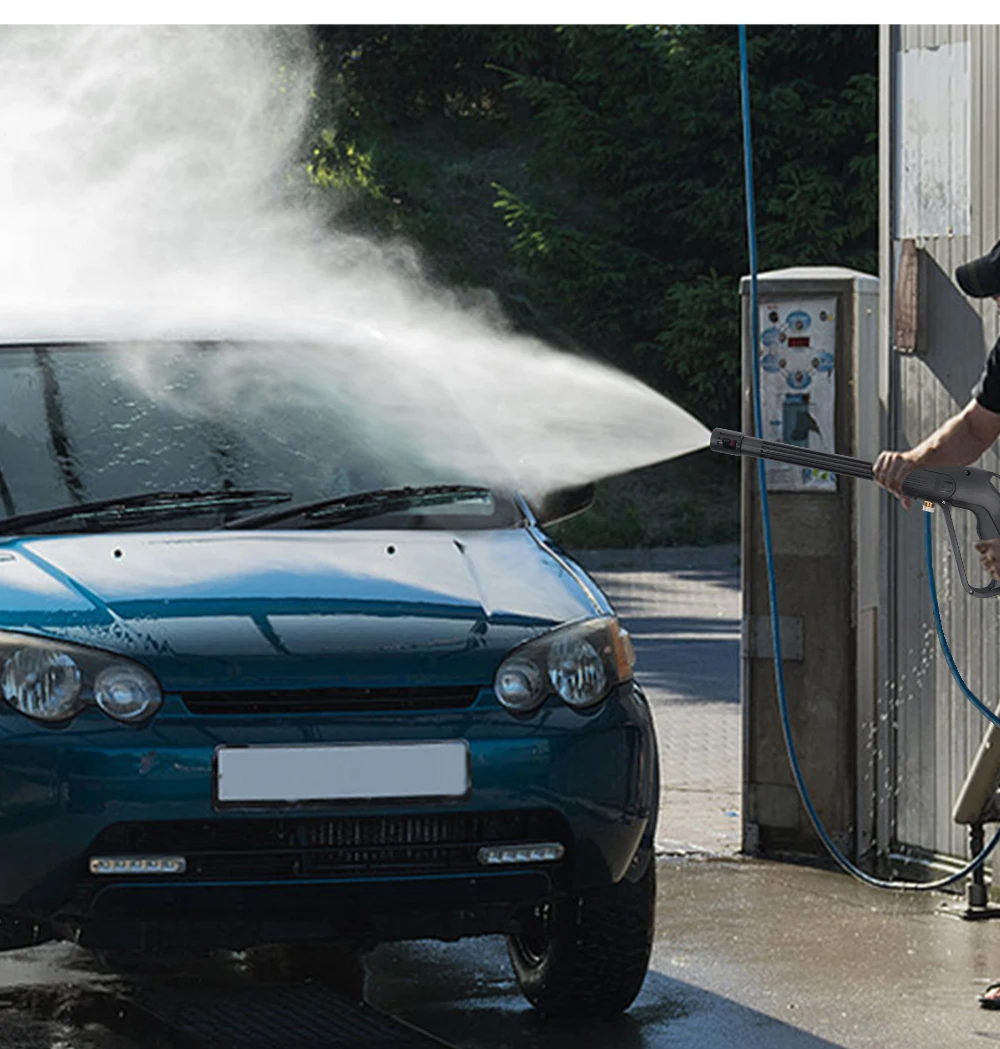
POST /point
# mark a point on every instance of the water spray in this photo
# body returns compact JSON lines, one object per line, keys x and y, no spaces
{"x":154,"y":187}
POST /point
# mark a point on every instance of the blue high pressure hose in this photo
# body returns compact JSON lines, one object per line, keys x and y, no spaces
{"x":779,"y":674}
{"x":967,"y":692}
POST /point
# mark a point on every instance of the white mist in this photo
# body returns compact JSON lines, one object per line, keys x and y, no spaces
{"x":147,"y":190}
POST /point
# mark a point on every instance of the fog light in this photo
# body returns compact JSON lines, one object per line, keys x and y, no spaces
{"x":543,"y":852}
{"x":137,"y":865}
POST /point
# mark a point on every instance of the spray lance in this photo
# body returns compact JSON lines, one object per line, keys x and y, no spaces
{"x":965,"y":487}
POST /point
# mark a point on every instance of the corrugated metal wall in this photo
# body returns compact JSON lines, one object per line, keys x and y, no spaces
{"x":941,"y":114}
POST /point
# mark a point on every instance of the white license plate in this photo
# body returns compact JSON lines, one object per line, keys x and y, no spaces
{"x":344,"y":772}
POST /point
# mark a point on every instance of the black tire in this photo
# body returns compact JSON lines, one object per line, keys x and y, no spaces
{"x":588,"y":955}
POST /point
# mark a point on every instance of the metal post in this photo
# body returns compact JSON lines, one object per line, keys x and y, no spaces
{"x":977,"y":883}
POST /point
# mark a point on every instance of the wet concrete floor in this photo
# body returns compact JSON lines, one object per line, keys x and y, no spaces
{"x":749,"y":954}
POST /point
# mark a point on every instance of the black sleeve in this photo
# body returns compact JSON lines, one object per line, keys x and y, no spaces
{"x":987,"y":390}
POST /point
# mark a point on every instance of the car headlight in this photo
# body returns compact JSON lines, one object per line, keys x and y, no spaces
{"x":50,"y":681}
{"x":580,"y":662}
{"x":127,"y":691}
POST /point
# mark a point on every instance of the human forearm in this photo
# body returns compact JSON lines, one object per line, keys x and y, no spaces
{"x":957,"y":442}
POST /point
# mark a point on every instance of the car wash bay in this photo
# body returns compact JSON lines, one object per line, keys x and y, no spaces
{"x":748,"y":952}
{"x":682,"y":607}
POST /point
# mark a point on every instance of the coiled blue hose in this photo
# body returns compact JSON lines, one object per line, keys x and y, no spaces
{"x":779,"y":674}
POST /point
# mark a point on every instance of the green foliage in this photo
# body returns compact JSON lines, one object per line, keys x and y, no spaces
{"x":592,"y":178}
{"x":691,"y":501}
{"x":635,"y":228}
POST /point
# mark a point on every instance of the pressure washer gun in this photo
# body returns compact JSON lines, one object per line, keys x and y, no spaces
{"x":966,"y":487}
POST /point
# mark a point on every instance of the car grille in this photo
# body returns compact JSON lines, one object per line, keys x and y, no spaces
{"x":330,"y":700}
{"x":345,"y":846}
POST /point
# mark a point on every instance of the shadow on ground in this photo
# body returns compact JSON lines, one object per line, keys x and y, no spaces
{"x":681,"y":607}
{"x":696,"y":669}
{"x":466,"y":995}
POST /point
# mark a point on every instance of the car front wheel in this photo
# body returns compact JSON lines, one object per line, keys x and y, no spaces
{"x":587,"y":955}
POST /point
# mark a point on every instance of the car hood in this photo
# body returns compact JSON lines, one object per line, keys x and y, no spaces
{"x":281,"y":609}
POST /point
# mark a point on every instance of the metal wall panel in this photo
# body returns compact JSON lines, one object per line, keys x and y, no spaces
{"x":940,"y":115}
{"x":933,"y":170}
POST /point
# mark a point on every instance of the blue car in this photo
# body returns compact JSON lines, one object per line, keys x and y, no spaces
{"x":270,"y":675}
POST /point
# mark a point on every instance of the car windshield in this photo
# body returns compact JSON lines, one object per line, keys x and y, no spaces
{"x":235,"y":426}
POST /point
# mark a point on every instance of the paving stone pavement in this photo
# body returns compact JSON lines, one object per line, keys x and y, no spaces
{"x":682,"y":607}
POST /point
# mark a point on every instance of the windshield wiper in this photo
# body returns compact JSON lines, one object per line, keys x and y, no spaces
{"x":146,"y":505}
{"x":357,"y":505}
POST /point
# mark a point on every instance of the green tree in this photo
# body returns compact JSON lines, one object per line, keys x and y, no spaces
{"x":635,"y":223}
{"x":592,"y":175}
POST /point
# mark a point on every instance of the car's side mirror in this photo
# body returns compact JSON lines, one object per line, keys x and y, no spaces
{"x":561,"y":503}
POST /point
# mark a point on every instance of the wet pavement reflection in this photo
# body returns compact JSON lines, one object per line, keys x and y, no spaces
{"x":748,"y":953}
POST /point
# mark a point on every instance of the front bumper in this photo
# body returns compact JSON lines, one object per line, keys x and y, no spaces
{"x":97,"y":785}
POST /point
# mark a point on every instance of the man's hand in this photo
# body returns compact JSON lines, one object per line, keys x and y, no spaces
{"x":989,"y":554}
{"x":890,"y":471}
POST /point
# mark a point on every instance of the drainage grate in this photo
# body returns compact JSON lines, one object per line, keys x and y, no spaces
{"x":278,"y":1018}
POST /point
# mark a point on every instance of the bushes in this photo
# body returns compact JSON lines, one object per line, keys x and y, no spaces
{"x":592,"y":175}
{"x":691,"y":501}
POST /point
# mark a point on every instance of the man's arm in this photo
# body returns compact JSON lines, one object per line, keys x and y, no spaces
{"x":960,"y":440}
